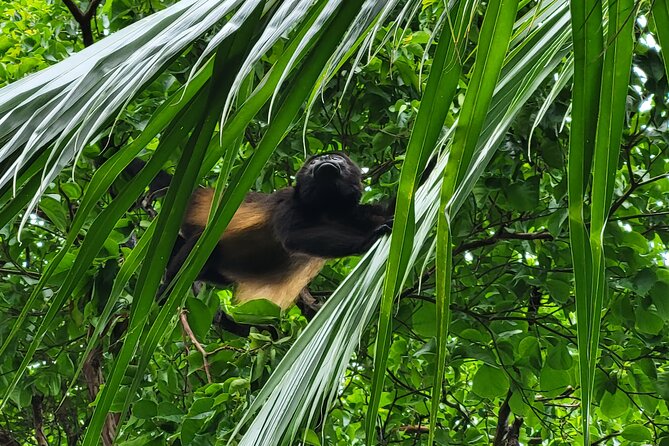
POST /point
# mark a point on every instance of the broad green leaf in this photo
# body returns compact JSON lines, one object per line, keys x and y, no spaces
{"x":614,"y":405}
{"x":145,"y":409}
{"x":637,"y":433}
{"x":490,"y":382}
{"x":553,"y":382}
{"x":559,"y":358}
{"x":54,"y":212}
{"x":524,"y":195}
{"x":648,"y":322}
{"x":257,"y":311}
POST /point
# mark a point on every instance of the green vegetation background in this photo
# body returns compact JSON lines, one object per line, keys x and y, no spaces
{"x":511,"y":349}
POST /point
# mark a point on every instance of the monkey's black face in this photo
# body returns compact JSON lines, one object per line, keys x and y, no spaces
{"x":329,"y":179}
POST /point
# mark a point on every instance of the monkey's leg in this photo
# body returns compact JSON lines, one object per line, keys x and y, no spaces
{"x":182,"y":249}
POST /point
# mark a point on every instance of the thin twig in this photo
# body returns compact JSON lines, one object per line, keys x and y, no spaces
{"x":196,"y":343}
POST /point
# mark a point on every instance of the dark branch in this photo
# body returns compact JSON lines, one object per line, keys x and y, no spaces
{"x":84,"y":18}
{"x":648,"y":215}
{"x":503,"y":421}
{"x":38,"y":420}
{"x":633,"y":187}
{"x":75,"y":11}
{"x":502,"y":235}
{"x":507,"y":434}
{"x":605,"y":438}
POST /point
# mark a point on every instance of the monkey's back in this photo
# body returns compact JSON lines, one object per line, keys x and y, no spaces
{"x":249,"y":252}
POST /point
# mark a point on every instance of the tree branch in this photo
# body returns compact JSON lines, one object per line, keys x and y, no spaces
{"x":84,"y":18}
{"x":633,"y":187}
{"x":507,"y":434}
{"x":502,"y":235}
{"x":648,"y":215}
{"x":196,"y":343}
{"x":92,"y":372}
{"x":605,"y":438}
{"x":38,"y":420}
{"x":74,"y":10}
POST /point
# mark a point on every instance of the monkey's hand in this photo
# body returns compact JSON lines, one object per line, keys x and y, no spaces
{"x":385,"y":228}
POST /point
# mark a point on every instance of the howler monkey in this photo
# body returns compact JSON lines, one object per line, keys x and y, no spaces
{"x":277,"y":243}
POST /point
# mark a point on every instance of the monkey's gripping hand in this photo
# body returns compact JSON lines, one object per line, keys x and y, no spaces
{"x":385,"y":228}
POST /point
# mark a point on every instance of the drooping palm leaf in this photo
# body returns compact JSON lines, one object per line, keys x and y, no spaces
{"x":588,"y":49}
{"x":435,"y":104}
{"x":228,"y":58}
{"x":612,"y":101}
{"x":493,"y":43}
{"x":72,"y":101}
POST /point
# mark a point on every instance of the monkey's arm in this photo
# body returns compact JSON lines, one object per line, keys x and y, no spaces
{"x":331,"y":240}
{"x":373,"y":216}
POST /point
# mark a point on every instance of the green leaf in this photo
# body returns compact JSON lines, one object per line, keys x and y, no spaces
{"x":311,"y":438}
{"x":490,"y":382}
{"x":662,"y":384}
{"x":145,"y":409}
{"x":648,"y":322}
{"x":72,"y":190}
{"x":644,"y":281}
{"x":256,"y":311}
{"x":199,"y":317}
{"x":614,"y":405}
{"x":559,"y":358}
{"x":660,"y":296}
{"x":637,"y":433}
{"x":553,"y":382}
{"x":524,"y":196}
{"x":529,"y":352}
{"x":559,"y":290}
{"x":55,"y":212}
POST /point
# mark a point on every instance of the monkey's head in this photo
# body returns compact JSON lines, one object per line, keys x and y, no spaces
{"x":329,"y":179}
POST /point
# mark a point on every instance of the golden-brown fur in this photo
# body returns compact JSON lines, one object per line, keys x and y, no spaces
{"x":251,"y":224}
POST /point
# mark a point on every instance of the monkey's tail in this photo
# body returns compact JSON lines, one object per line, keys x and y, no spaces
{"x":160,"y":182}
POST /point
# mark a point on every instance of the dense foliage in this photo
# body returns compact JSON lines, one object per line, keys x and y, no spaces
{"x":512,"y":365}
